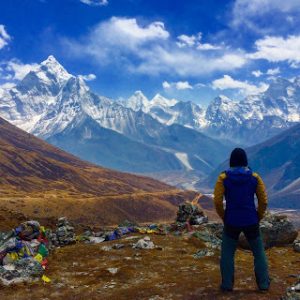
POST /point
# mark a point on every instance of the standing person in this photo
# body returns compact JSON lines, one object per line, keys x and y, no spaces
{"x":238,"y":185}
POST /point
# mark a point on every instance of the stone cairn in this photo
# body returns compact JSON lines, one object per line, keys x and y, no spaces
{"x":187,"y":212}
{"x":64,"y":234}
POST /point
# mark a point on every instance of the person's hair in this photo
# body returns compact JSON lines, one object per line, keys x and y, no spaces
{"x":238,"y":158}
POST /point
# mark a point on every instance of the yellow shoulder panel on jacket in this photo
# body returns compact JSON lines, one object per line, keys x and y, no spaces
{"x":261,"y":196}
{"x":222,"y":175}
{"x":219,"y":194}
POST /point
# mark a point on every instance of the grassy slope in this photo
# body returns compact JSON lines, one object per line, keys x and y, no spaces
{"x":44,"y":182}
{"x":80,"y":272}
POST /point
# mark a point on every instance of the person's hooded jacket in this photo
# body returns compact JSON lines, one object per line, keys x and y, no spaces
{"x":239,"y":185}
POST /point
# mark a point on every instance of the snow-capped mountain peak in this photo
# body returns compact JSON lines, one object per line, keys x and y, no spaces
{"x":49,"y":99}
{"x":222,"y":99}
{"x":138,"y":101}
{"x":159,"y":100}
{"x":50,"y":68}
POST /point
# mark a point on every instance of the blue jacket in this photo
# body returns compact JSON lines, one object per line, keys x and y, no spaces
{"x":239,"y":186}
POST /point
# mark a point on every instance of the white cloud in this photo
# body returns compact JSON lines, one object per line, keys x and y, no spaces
{"x":166,"y":85}
{"x":227,"y":82}
{"x":126,"y":33}
{"x":273,"y":72}
{"x":16,"y":70}
{"x":149,"y":49}
{"x":179,"y":85}
{"x":259,"y":7}
{"x":95,"y":2}
{"x":184,"y":63}
{"x":244,"y":10}
{"x":183,"y":85}
{"x":257,"y":73}
{"x":4,"y":37}
{"x":114,"y":39}
{"x":188,"y":41}
{"x":194,"y":41}
{"x":207,"y":46}
{"x":88,"y":77}
{"x":277,"y":49}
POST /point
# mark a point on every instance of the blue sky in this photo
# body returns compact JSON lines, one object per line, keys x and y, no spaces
{"x":190,"y":50}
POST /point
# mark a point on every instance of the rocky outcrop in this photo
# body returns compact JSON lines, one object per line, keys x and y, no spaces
{"x":277,"y":230}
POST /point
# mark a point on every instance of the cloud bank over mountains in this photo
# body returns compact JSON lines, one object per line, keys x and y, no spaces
{"x":238,"y":52}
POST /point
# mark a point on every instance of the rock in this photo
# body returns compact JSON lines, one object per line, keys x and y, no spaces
{"x":106,"y":248}
{"x":276,"y":230}
{"x":203,"y":252}
{"x":293,"y":292}
{"x":187,"y":212}
{"x":89,"y":233}
{"x":209,"y":237}
{"x":296,"y":245}
{"x":100,"y":234}
{"x":23,"y":270}
{"x":113,"y":270}
{"x":96,"y":240}
{"x":118,"y":246}
{"x":215,"y":228}
{"x":144,"y":243}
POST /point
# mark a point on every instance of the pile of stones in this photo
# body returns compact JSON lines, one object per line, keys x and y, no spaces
{"x":64,"y":234}
{"x":187,"y":212}
{"x":23,"y":270}
{"x":23,"y":253}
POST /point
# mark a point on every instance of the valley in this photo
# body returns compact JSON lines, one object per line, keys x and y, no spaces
{"x":177,"y":142}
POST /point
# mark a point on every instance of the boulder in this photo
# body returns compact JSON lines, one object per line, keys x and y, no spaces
{"x":276,"y":230}
{"x":296,"y":245}
{"x":144,"y":243}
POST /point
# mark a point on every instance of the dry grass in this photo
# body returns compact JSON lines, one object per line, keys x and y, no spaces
{"x":80,"y":272}
{"x":91,"y":210}
{"x":44,"y":182}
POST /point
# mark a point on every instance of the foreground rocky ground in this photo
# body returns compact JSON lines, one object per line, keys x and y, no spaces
{"x":84,"y":271}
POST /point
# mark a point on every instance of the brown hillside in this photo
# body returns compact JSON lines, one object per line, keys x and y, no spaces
{"x":45,"y":182}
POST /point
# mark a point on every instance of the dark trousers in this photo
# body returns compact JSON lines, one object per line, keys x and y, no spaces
{"x":229,"y":244}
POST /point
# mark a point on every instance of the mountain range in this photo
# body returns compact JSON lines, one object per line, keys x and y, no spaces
{"x":59,"y":107}
{"x":178,"y":142}
{"x":44,"y":182}
{"x":249,"y":121}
